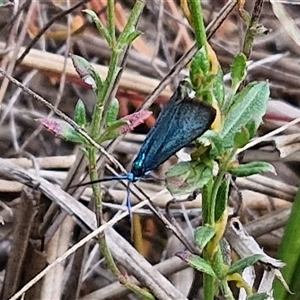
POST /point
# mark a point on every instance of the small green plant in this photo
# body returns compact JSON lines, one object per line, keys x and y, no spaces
{"x":239,"y":114}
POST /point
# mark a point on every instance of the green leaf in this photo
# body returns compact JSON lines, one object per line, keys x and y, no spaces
{"x":241,"y":138}
{"x":212,"y":138}
{"x":203,"y":235}
{"x":73,"y":136}
{"x":260,"y":296}
{"x":112,"y":112}
{"x":222,"y":199}
{"x":80,"y":113}
{"x":179,"y":169}
{"x":111,"y":132}
{"x":186,"y":177}
{"x":199,"y":69}
{"x":107,"y":136}
{"x":197,"y":263}
{"x":97,"y":78}
{"x":243,"y":263}
{"x":248,"y":105}
{"x":252,"y":168}
{"x":289,"y":253}
{"x":63,"y":130}
{"x":82,"y":67}
{"x":86,"y":72}
{"x":251,"y":127}
{"x":99,"y":25}
{"x":116,"y":125}
{"x":218,"y":88}
{"x":85,"y":152}
{"x":226,"y":251}
{"x":129,"y":38}
{"x":238,"y":71}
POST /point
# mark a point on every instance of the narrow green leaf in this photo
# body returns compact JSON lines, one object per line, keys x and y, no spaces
{"x":251,"y":127}
{"x":241,"y":138}
{"x":116,"y":125}
{"x":197,"y":263}
{"x":99,"y":25}
{"x":289,"y":252}
{"x":243,"y":263}
{"x":252,"y":168}
{"x":129,"y":38}
{"x":218,"y":88}
{"x":250,"y":104}
{"x":203,"y":235}
{"x":260,"y":296}
{"x":112,"y":131}
{"x":112,"y":112}
{"x":80,"y":113}
{"x":73,"y":136}
{"x":238,"y":70}
{"x":97,"y":78}
{"x":222,"y":199}
{"x":199,"y":68}
{"x":107,"y":136}
{"x":86,"y":72}
{"x":212,"y":138}
{"x":82,"y":67}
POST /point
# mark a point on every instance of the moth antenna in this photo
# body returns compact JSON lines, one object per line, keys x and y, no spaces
{"x":109,"y":178}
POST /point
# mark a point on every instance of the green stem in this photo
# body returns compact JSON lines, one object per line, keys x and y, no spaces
{"x":111,"y":21}
{"x":252,"y":28}
{"x":219,"y":270}
{"x":209,"y":197}
{"x":117,"y":53}
{"x":103,"y":94}
{"x":212,"y":203}
{"x":208,"y":281}
{"x":226,"y":290}
{"x":197,"y":19}
{"x":208,"y":286}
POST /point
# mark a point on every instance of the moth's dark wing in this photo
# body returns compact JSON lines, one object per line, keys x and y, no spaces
{"x":165,"y":117}
{"x":191,"y":118}
{"x":181,"y":123}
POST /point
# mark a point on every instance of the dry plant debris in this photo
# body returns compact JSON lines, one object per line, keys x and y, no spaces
{"x":41,"y":229}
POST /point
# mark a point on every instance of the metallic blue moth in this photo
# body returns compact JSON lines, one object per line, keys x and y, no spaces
{"x":182,"y":120}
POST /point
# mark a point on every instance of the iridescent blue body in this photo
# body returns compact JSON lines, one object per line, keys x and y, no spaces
{"x":181,"y":121}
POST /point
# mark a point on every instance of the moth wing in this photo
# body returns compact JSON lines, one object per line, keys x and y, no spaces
{"x":181,"y":123}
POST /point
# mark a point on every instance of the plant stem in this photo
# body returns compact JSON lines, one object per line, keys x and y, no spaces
{"x":226,"y":290}
{"x":198,"y":23}
{"x":252,"y":28}
{"x":209,"y":197}
{"x":111,"y":21}
{"x":103,"y":93}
